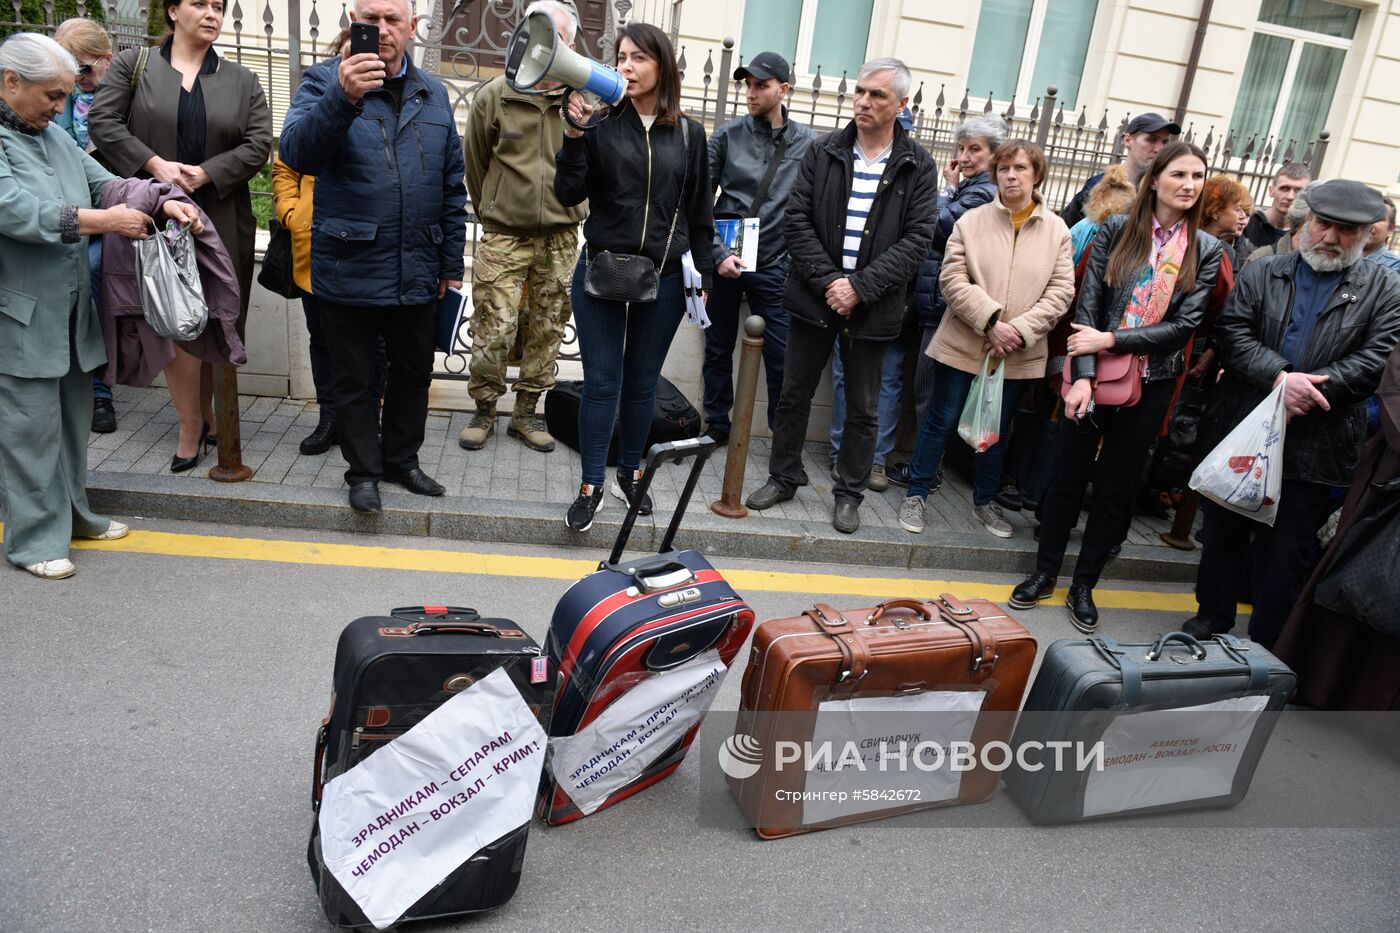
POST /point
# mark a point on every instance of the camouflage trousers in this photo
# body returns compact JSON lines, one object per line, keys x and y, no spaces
{"x":504,"y":269}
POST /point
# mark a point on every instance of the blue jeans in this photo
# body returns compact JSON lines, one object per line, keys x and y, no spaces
{"x":623,"y":346}
{"x":950,"y":390}
{"x":100,"y":389}
{"x":891,"y":400}
{"x":764,"y":289}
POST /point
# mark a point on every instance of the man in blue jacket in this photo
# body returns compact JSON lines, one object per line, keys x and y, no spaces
{"x":387,"y":237}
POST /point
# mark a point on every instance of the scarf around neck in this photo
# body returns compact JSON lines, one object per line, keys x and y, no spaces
{"x":1153,"y":292}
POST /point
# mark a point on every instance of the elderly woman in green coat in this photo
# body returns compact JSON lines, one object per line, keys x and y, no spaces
{"x":50,"y":340}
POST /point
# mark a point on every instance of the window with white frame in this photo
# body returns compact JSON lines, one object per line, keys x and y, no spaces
{"x":830,"y":34}
{"x":1290,"y":76}
{"x":1023,"y":46}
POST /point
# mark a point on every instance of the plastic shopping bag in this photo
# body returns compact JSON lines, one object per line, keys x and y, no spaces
{"x":980,"y":422}
{"x":172,"y":297}
{"x":1244,"y":473}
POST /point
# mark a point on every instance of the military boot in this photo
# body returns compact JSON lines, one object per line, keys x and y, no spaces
{"x":527,"y":427}
{"x":482,"y":427}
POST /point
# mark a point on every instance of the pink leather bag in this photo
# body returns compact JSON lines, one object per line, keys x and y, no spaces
{"x":1117,"y":381}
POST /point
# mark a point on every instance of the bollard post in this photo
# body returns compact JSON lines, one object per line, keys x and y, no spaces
{"x":1180,"y":535}
{"x":730,"y":503}
{"x":230,"y":468}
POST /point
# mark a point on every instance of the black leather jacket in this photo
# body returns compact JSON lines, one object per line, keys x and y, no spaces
{"x":739,"y":154}
{"x":1353,"y":338}
{"x":897,"y":237}
{"x":631,"y":178}
{"x":1101,"y":307}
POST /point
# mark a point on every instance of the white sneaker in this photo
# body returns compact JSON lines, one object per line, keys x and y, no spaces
{"x":911,"y":514}
{"x":114,"y":531}
{"x":53,"y":569}
{"x":992,"y":519}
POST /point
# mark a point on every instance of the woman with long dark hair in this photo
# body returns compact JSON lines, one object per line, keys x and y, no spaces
{"x":1145,"y":291}
{"x":644,"y":169}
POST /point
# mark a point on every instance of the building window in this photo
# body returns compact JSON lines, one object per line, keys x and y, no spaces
{"x":1290,"y":76}
{"x":830,"y":34}
{"x":1023,"y":46}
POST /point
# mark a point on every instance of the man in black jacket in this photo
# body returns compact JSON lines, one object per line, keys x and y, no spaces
{"x":1321,"y":323}
{"x":859,"y":220}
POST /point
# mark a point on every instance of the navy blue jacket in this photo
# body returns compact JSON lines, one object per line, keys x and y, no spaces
{"x":389,"y":215}
{"x":971,"y":192}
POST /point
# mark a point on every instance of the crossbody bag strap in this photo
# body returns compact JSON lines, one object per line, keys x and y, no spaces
{"x":767,"y":181}
{"x":685,"y":175}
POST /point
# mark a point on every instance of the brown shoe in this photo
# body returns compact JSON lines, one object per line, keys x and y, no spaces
{"x":483,"y":425}
{"x":529,"y":430}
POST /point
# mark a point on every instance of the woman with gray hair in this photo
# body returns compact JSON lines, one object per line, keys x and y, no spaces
{"x":968,"y":184}
{"x":50,"y":340}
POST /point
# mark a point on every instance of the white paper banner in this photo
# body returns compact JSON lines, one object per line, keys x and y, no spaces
{"x":1171,"y":756}
{"x":881,"y":752}
{"x":406,"y":817}
{"x":614,"y":749}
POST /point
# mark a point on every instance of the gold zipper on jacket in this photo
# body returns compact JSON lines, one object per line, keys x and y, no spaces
{"x":646,"y":204}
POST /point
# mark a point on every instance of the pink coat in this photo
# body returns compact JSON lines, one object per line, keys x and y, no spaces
{"x":135,"y":354}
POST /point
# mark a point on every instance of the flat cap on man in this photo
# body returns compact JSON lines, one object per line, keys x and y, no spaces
{"x":1346,"y":202}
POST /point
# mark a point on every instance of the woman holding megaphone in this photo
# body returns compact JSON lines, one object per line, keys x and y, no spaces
{"x":643,"y":167}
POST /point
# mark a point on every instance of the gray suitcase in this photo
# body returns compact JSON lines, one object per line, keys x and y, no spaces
{"x":1178,"y":724}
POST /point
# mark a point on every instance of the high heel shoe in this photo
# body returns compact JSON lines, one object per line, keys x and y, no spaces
{"x":207,"y":440}
{"x":179,"y":464}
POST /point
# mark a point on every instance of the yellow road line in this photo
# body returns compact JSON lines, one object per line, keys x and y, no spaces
{"x":553,"y":568}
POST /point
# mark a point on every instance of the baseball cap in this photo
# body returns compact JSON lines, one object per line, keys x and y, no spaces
{"x":1152,"y":123}
{"x":763,"y":66}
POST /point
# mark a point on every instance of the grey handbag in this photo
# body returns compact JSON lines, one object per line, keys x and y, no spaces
{"x":172,"y":298}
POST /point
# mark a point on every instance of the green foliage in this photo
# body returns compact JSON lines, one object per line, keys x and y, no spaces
{"x":31,"y":14}
{"x":155,"y":20}
{"x":261,"y":187}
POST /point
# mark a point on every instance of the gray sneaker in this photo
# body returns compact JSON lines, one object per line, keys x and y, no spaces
{"x":911,"y":514}
{"x":992,"y":519}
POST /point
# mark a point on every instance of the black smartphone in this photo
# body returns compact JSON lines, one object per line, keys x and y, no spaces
{"x":364,"y":38}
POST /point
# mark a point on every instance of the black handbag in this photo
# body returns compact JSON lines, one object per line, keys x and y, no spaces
{"x":1361,"y":581}
{"x":276,"y":272}
{"x":628,"y":276}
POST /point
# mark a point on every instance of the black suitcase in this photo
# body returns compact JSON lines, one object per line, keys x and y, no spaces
{"x":675,"y":419}
{"x":390,"y":673}
{"x":1207,"y":708}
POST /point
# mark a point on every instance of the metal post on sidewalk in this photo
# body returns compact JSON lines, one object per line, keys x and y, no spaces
{"x":730,"y":503}
{"x":230,"y":468}
{"x":1180,"y":535}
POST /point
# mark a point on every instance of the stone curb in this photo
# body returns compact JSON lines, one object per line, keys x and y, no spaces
{"x":500,"y":521}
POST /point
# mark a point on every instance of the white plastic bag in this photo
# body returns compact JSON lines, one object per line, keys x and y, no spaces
{"x":1244,"y":472}
{"x":980,"y":422}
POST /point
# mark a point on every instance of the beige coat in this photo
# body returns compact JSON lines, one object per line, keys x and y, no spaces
{"x":1026,"y":281}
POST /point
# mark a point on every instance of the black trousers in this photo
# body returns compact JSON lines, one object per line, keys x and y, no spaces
{"x":1283,"y":559}
{"x":352,"y":336}
{"x":1126,"y":434}
{"x":808,"y":352}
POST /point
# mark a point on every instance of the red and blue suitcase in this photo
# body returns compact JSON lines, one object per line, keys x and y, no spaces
{"x":640,"y":647}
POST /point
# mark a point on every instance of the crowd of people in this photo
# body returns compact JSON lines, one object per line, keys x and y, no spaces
{"x":1159,"y":295}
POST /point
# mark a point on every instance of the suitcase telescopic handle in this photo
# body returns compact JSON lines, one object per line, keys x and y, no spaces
{"x":1197,"y":651}
{"x":674,"y":452}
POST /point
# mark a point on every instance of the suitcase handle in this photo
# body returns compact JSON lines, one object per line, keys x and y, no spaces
{"x":916,"y":606}
{"x":1197,"y":651}
{"x":444,"y":628}
{"x":419,"y":613}
{"x":318,"y":764}
{"x":674,"y":452}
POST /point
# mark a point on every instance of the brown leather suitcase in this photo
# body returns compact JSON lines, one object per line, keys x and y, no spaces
{"x":906,"y":653}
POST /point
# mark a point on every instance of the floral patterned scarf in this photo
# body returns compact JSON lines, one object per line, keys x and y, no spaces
{"x":1153,"y":291}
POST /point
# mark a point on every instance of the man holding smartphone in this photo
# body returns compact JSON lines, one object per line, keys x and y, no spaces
{"x":388,"y":235}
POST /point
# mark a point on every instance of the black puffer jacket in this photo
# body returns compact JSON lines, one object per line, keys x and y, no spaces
{"x":631,"y":178}
{"x":1350,"y":344}
{"x":898,"y":234}
{"x":971,"y":192}
{"x":1101,"y":307}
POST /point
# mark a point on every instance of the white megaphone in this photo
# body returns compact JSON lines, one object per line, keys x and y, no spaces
{"x":535,"y":54}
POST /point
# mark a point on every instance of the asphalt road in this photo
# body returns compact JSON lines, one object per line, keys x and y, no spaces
{"x":159,"y":712}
